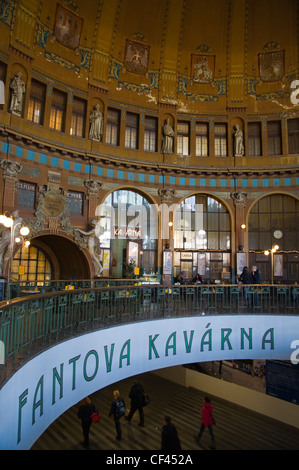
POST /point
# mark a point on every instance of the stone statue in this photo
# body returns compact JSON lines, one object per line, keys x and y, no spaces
{"x":93,"y":246}
{"x":168,"y":138}
{"x":10,"y":168}
{"x":5,"y":248}
{"x":239,"y":147}
{"x":96,"y":124}
{"x":17,"y":92}
{"x":239,"y":198}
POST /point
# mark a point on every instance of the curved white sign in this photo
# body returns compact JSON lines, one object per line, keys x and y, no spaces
{"x":53,"y":381}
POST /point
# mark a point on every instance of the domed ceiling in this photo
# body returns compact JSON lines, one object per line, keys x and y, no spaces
{"x":188,"y":53}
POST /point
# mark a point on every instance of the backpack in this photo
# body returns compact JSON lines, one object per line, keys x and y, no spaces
{"x":120,"y":407}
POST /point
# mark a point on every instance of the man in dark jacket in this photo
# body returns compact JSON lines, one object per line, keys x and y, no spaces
{"x":84,"y":413}
{"x":170,"y":439}
{"x":255,"y":279}
{"x":255,"y":275}
{"x":245,"y":278}
{"x":137,"y":402}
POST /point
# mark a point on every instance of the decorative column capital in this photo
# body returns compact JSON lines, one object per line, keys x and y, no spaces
{"x":239,"y":198}
{"x":10,"y":168}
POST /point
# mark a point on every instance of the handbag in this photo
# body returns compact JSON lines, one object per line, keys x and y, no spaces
{"x":146,"y":399}
{"x":95,"y":417}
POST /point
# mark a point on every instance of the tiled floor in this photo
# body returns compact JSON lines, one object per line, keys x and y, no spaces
{"x":236,"y":428}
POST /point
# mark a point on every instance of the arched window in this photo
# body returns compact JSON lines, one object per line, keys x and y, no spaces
{"x":128,"y":231}
{"x":272,"y":216}
{"x":274,"y":220}
{"x":202,"y":238}
{"x":202,"y":223}
{"x":31,"y":264}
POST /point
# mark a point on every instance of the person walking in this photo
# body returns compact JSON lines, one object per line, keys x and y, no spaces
{"x":84,"y":413}
{"x":246,"y":279}
{"x":118,"y":409}
{"x":255,"y":279}
{"x":207,"y":421}
{"x":255,"y":275}
{"x":137,"y":402}
{"x":170,"y":441}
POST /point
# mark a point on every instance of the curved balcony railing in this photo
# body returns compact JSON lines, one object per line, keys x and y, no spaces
{"x":37,"y":321}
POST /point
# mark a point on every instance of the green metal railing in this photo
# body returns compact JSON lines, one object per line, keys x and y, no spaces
{"x":32,"y":323}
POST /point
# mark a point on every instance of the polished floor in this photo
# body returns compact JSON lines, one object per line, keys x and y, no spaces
{"x":236,"y":428}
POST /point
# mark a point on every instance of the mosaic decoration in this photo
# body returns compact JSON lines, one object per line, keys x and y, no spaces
{"x":202,"y":68}
{"x":61,"y":61}
{"x":136,"y":57}
{"x":67,"y":27}
{"x":6,"y":12}
{"x":271,"y":66}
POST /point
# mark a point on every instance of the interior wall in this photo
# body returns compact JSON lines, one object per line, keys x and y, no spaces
{"x":258,"y":402}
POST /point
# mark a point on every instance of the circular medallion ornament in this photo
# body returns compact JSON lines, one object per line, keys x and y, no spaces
{"x":277,"y":234}
{"x":53,"y":205}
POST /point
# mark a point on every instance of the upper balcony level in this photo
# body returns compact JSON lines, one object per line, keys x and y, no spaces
{"x":163,"y":73}
{"x":64,"y":345}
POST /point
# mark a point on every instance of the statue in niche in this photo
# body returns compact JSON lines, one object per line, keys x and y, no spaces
{"x":17,"y":93}
{"x":238,"y":145}
{"x":168,"y":138}
{"x":96,"y":124}
{"x":93,"y":246}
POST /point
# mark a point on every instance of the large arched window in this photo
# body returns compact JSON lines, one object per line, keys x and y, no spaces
{"x":128,"y":232}
{"x":202,"y":238}
{"x":31,"y":264}
{"x":274,"y":220}
{"x":202,"y":223}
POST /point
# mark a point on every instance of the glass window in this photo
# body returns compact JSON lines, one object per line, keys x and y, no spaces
{"x":272,"y":213}
{"x":293,"y":135}
{"x":274,"y":138}
{"x":75,"y":201}
{"x":150,"y":134}
{"x":202,"y":222}
{"x":183,"y":138}
{"x":36,"y":265}
{"x":131,"y":137}
{"x":254,"y":139}
{"x":36,"y":102}
{"x":202,"y":139}
{"x":113,"y":126}
{"x":78,"y":117}
{"x":58,"y":110}
{"x":3,"y":68}
{"x":26,"y":195}
{"x":220,"y":140}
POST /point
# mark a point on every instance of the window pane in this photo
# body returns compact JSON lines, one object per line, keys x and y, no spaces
{"x":58,"y":109}
{"x":26,"y":195}
{"x":75,"y":201}
{"x":78,"y":117}
{"x":293,"y":135}
{"x":254,"y":138}
{"x":274,"y":138}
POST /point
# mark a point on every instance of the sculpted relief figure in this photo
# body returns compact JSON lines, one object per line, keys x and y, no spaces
{"x":168,"y":138}
{"x":93,"y":246}
{"x":17,"y":92}
{"x":239,"y":146}
{"x":96,"y":124}
{"x":5,"y":239}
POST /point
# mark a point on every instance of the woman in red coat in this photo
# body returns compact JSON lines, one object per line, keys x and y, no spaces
{"x":207,"y":421}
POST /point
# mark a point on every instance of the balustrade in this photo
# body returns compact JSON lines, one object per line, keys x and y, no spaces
{"x":31,"y":323}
